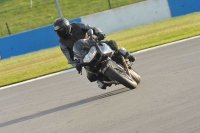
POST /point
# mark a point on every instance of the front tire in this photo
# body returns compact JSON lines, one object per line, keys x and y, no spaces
{"x":135,"y":76}
{"x":121,"y":77}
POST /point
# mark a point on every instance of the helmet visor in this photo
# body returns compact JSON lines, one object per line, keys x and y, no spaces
{"x":61,"y":32}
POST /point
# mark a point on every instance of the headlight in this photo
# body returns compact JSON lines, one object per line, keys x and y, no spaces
{"x":88,"y":57}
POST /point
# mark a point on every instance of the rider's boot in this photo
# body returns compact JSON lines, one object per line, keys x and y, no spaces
{"x":131,"y":58}
{"x":101,"y":85}
{"x":124,"y":52}
{"x":120,"y":51}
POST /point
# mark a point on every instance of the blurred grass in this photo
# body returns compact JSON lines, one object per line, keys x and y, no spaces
{"x":159,"y":33}
{"x":20,"y":16}
{"x":51,"y":60}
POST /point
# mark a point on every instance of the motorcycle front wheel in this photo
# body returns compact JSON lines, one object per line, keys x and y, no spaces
{"x":135,"y":76}
{"x":121,"y":77}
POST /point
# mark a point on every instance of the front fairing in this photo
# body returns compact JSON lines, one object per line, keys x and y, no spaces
{"x":105,"y":49}
{"x":81,"y":48}
{"x":103,"y":53}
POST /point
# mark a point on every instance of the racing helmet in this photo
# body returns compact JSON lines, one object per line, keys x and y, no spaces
{"x":62,"y":27}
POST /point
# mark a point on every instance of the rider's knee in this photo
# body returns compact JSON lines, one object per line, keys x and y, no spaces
{"x":113,"y":45}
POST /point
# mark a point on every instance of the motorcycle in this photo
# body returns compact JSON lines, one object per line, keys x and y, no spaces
{"x":96,"y":57}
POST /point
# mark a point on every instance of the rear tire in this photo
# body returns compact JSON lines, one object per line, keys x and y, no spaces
{"x":121,"y":77}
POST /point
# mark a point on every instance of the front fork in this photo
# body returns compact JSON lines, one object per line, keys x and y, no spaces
{"x":125,"y":66}
{"x":109,"y":63}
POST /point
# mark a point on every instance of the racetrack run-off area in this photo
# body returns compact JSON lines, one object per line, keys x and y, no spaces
{"x":166,"y":101}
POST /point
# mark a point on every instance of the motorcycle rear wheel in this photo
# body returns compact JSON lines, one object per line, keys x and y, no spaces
{"x":121,"y":77}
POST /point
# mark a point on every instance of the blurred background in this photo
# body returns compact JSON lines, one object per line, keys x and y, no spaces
{"x":20,"y":15}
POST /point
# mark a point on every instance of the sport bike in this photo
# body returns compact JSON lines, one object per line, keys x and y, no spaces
{"x":97,"y":58}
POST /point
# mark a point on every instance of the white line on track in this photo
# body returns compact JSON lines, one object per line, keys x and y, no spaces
{"x":69,"y":70}
{"x":39,"y":78}
{"x":167,"y":44}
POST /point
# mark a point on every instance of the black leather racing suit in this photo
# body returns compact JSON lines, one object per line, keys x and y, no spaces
{"x":78,"y":31}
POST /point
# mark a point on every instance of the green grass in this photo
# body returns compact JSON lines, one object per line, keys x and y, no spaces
{"x":51,"y":60}
{"x":20,"y":16}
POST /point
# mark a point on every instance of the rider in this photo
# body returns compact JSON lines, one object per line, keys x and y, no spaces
{"x":70,"y":33}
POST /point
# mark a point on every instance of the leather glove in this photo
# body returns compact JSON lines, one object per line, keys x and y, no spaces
{"x":94,"y":37}
{"x":101,"y":36}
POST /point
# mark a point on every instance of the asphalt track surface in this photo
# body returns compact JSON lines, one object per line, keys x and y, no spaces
{"x":166,"y":101}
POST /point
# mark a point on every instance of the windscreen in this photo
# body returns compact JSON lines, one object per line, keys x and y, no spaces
{"x":81,"y":47}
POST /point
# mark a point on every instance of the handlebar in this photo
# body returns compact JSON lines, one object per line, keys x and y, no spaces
{"x":75,"y":61}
